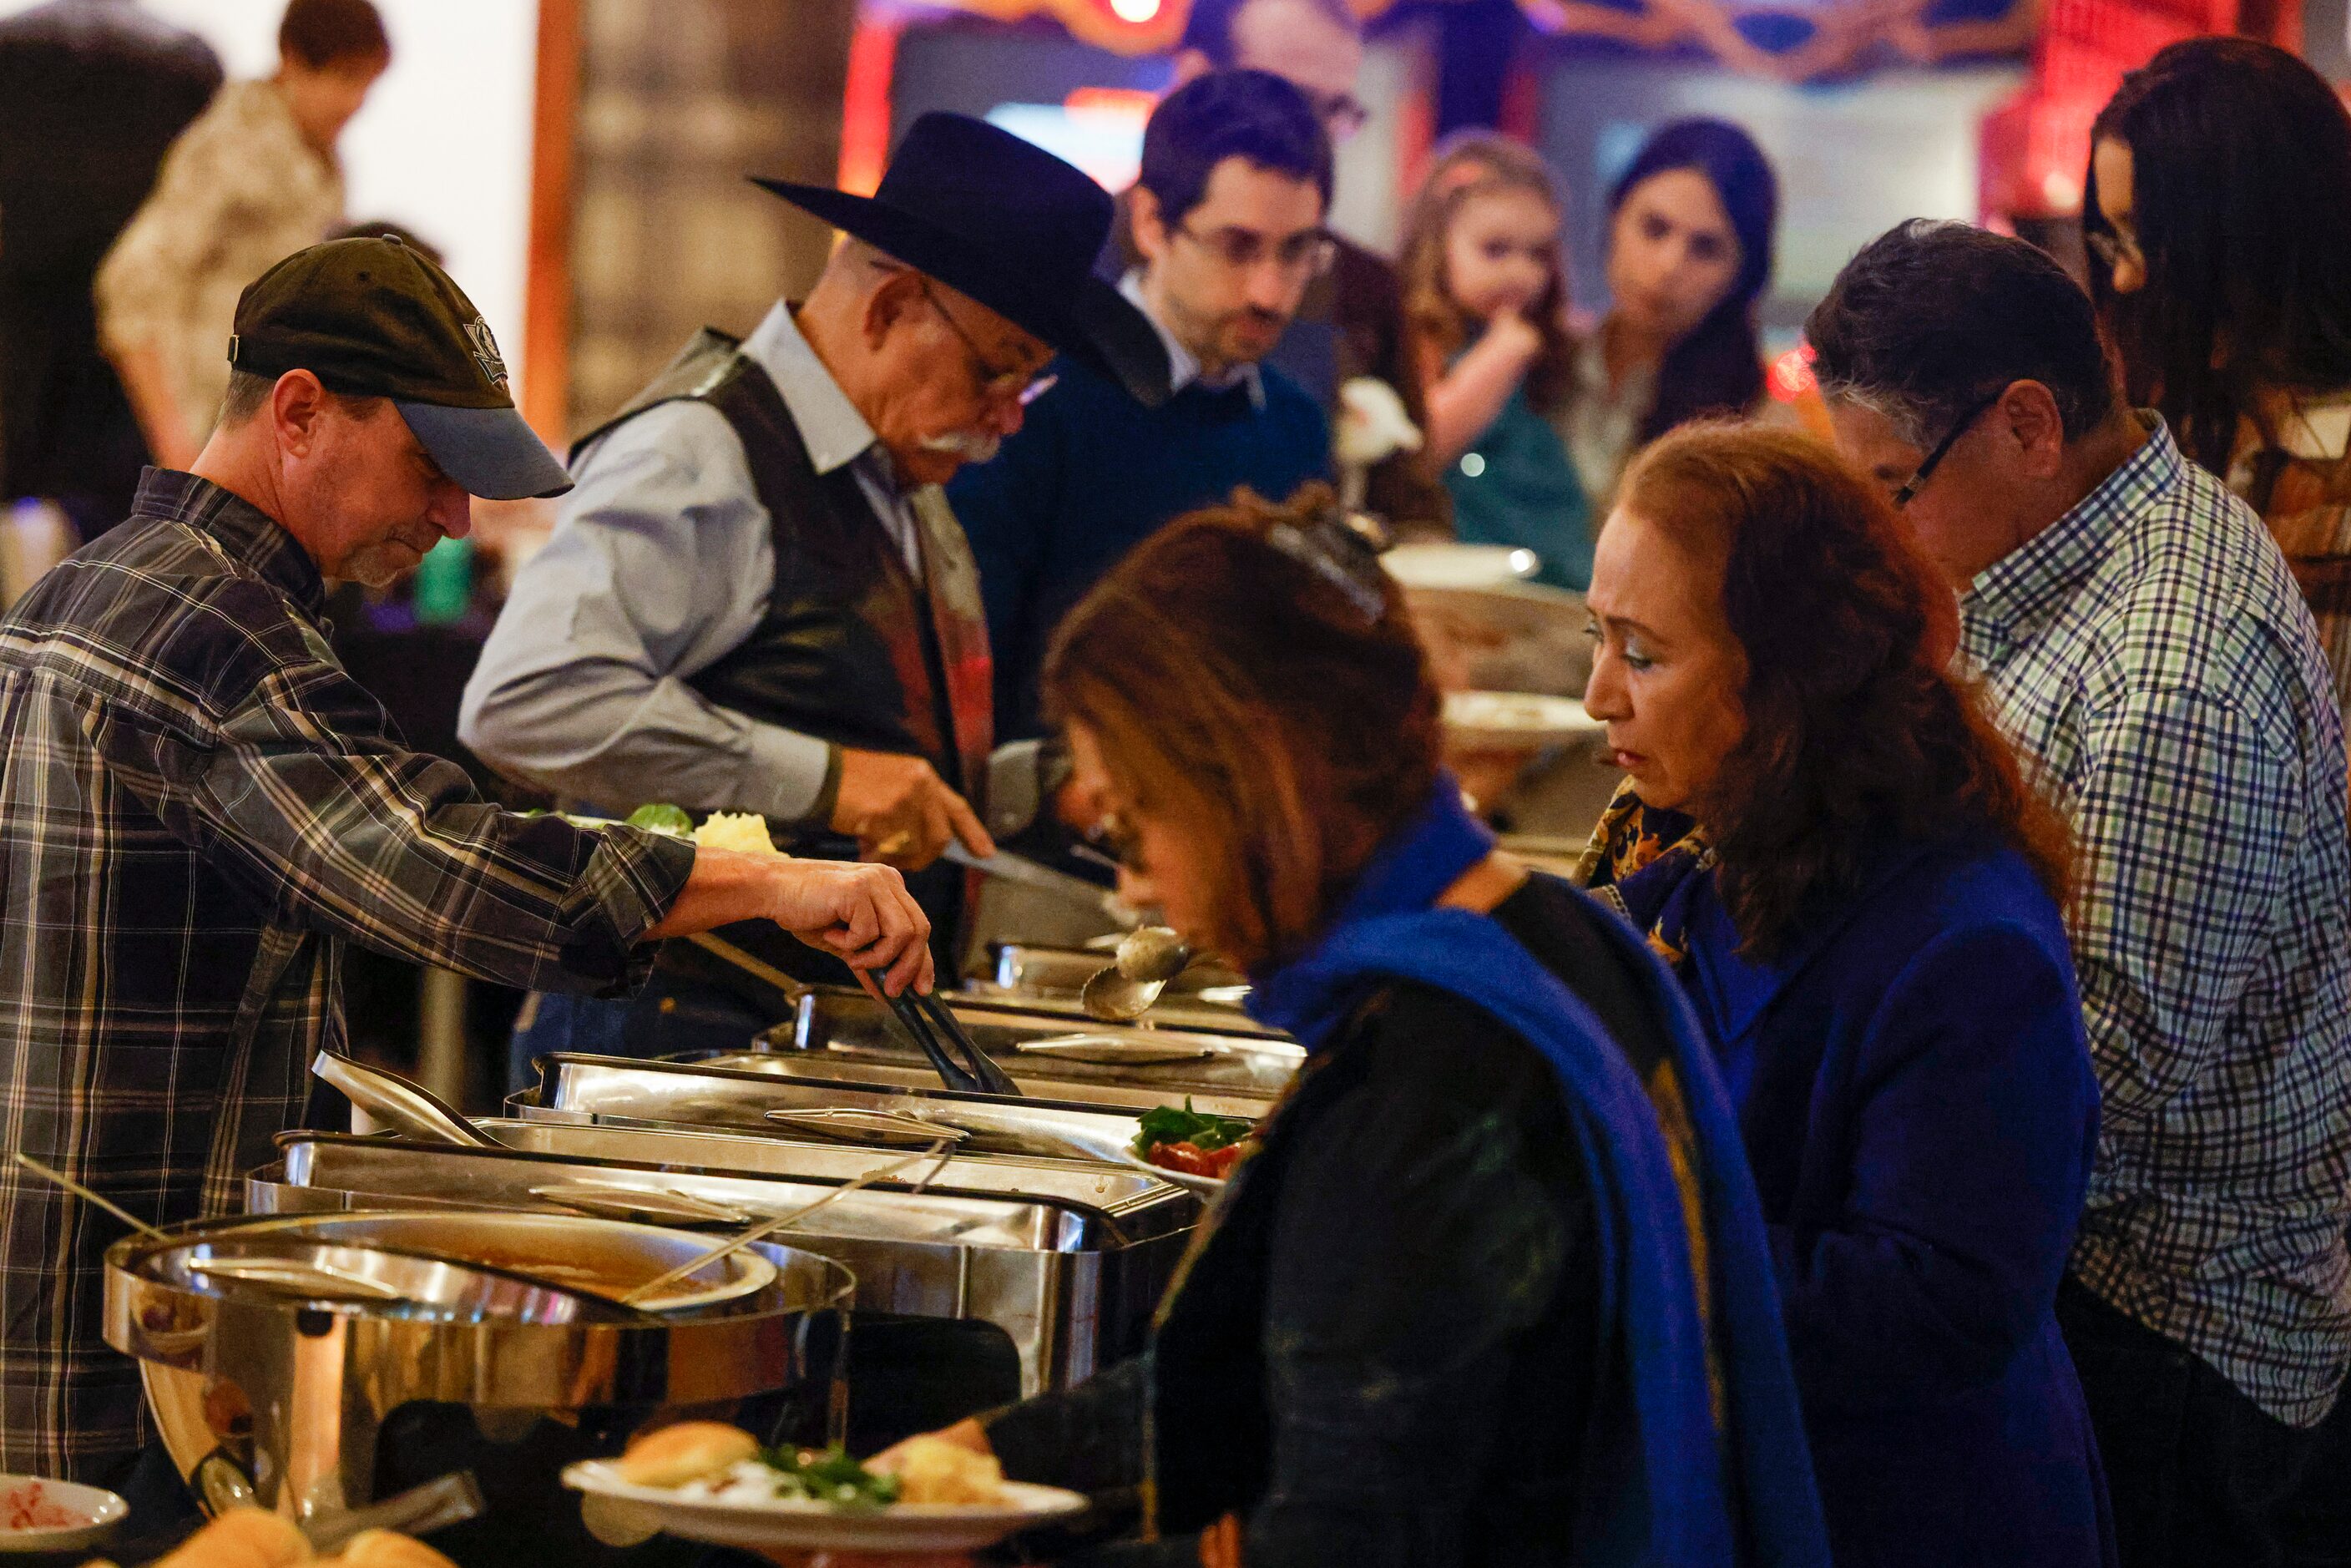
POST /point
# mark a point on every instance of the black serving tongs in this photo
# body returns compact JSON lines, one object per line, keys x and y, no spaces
{"x":927,"y":1019}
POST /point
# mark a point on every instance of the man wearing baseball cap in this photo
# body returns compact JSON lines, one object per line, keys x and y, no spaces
{"x":199,"y":808}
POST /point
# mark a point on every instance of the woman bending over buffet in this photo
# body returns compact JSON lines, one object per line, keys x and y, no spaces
{"x":1826,"y":838}
{"x":1450,"y":1311}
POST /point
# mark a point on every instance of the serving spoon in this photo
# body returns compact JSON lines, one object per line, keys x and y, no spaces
{"x":1147,"y":958}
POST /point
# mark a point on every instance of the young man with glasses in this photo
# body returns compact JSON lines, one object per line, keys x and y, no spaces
{"x":2145,"y":647}
{"x":1351,"y":323}
{"x":1228,"y":215}
{"x":757,"y":600}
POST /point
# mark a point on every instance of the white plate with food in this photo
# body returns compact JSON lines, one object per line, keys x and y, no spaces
{"x":1510,"y":719}
{"x":1443,"y":565}
{"x":702,"y":1482}
{"x":40,"y":1515}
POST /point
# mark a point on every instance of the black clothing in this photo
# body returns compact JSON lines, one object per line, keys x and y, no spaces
{"x":2197,"y":1473}
{"x":92,"y":93}
{"x":1382,"y":1351}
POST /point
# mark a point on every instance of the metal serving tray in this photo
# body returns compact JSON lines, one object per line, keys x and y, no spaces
{"x":723,"y":1094}
{"x":1140,"y":1203}
{"x":846,"y":1036}
{"x":1071,"y":1285}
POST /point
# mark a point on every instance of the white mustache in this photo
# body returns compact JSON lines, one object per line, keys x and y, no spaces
{"x":970,"y":448}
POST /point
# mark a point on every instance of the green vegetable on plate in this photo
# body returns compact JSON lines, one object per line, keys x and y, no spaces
{"x":661,"y":817}
{"x":829,"y":1475}
{"x":1203,"y":1131}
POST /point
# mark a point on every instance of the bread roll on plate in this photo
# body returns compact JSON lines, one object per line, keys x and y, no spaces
{"x":935,"y":1469}
{"x":242,"y":1538}
{"x":686,"y":1452}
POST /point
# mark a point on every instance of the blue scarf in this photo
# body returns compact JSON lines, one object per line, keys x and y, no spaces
{"x":1666,"y":1491}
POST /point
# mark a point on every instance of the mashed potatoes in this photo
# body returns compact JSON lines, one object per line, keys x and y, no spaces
{"x":745,"y":832}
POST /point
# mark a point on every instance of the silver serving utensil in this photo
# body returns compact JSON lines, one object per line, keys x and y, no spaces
{"x":613,"y":1200}
{"x":298,"y":1278}
{"x":420,"y":1511}
{"x":388,"y":1097}
{"x":1147,"y":958}
{"x":83,"y":1192}
{"x":766,"y":1228}
{"x":1116,"y":1050}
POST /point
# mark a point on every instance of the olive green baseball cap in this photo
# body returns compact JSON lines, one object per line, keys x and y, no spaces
{"x":372,"y":318}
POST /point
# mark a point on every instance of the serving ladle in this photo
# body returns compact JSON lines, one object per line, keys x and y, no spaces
{"x":1148,"y":957}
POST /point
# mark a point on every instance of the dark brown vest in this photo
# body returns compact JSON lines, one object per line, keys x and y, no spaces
{"x":851,"y":649}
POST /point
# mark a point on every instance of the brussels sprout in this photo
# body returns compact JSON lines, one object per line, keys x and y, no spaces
{"x":661,"y":817}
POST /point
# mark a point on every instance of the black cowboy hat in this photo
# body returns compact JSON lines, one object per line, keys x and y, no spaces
{"x":1010,"y":225}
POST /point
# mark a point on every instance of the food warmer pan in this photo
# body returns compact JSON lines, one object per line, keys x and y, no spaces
{"x":1067,"y":1272}
{"x":847,"y":1035}
{"x":764,"y":1093}
{"x":317,"y":1364}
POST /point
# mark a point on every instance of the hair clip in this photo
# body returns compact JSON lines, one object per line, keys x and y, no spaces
{"x":1340,"y":555}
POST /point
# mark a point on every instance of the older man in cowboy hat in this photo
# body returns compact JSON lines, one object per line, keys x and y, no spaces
{"x":756,"y":598}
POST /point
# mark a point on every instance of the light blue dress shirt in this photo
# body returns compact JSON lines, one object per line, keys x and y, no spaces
{"x":660,"y":565}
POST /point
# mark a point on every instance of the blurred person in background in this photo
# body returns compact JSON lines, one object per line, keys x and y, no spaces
{"x":91,"y":94}
{"x":1691,"y":224}
{"x":759,"y":599}
{"x":254,"y":180}
{"x":2144,"y":647}
{"x":1486,"y":293}
{"x":1841,"y":857}
{"x":1350,"y":324}
{"x":1491,"y":1289}
{"x":2217,"y":219}
{"x":1228,"y":214}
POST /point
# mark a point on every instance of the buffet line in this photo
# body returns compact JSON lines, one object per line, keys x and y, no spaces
{"x":444,"y":1298}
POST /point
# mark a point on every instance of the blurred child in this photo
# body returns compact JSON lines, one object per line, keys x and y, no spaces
{"x":1485,"y":313}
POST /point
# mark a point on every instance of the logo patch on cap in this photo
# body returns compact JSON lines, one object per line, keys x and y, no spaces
{"x":485,"y":352}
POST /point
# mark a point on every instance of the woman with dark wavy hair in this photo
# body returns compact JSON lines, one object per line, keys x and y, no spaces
{"x":1691,"y":227}
{"x":1826,"y":838}
{"x":2218,"y":218}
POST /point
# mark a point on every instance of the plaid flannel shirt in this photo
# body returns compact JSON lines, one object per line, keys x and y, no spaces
{"x":198,"y":808}
{"x":2150,"y":656}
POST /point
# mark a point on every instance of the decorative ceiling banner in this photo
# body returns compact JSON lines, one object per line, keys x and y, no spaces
{"x":1801,"y":40}
{"x":1786,"y":40}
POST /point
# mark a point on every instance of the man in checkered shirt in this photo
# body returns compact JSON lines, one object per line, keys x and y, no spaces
{"x":2144,"y":646}
{"x":198,"y":809}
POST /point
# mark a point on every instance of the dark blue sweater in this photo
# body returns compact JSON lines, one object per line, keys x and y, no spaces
{"x":1093,"y":473}
{"x":1920,"y":1114}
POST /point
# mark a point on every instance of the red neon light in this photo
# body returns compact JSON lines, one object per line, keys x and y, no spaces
{"x":865,"y":106}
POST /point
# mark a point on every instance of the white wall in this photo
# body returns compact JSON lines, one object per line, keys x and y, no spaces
{"x":443,"y":147}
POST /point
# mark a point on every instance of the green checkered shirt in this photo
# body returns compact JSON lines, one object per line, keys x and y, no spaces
{"x":198,"y":808}
{"x":2151,"y":657}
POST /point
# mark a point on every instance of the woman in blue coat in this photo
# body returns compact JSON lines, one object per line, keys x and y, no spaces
{"x":1825,"y":837}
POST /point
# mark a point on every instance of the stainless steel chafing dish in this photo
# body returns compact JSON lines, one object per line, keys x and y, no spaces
{"x":771,"y":1094}
{"x":847,"y":1037}
{"x":1066,"y":1259}
{"x":315,"y":1364}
